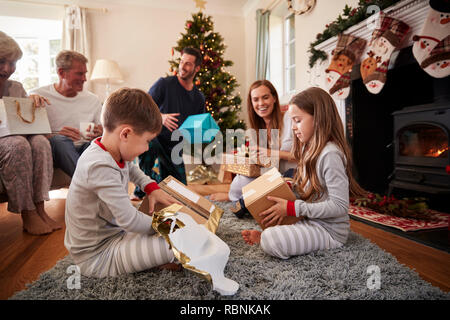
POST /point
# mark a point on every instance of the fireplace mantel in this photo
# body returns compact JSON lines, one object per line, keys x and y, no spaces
{"x":412,"y":12}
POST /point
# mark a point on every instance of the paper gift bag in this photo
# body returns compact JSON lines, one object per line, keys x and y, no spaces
{"x":199,"y":128}
{"x":19,"y":116}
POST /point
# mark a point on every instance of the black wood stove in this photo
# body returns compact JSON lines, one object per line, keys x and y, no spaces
{"x":421,"y":142}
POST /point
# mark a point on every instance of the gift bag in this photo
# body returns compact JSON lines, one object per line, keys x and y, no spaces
{"x":19,"y":116}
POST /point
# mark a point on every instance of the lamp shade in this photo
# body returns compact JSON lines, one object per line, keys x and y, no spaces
{"x":106,"y":71}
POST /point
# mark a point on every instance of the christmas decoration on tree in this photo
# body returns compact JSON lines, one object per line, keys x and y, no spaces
{"x":415,"y":208}
{"x":347,"y":19}
{"x":213,"y":79}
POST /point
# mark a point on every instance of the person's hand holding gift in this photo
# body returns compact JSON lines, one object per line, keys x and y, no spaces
{"x":159,"y":196}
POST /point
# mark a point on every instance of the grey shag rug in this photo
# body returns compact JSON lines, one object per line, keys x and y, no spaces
{"x":331,"y":274}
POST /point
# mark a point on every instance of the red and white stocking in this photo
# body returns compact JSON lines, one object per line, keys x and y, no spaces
{"x":387,"y":37}
{"x":431,"y":47}
{"x":347,"y":53}
{"x":435,"y":28}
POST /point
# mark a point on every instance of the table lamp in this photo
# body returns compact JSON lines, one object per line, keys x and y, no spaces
{"x":106,"y":71}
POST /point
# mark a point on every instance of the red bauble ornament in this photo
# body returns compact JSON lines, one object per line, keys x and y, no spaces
{"x":197,"y":83}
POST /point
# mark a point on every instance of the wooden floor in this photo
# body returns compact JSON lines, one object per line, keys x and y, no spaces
{"x":23,"y":257}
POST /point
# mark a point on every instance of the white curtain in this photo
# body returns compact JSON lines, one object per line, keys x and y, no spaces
{"x":262,"y":44}
{"x":75,"y":32}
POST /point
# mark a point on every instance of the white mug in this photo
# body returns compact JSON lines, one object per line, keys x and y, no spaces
{"x":84,"y":126}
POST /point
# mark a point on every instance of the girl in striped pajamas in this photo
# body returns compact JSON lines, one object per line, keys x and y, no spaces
{"x":322,"y":184}
{"x":105,"y":234}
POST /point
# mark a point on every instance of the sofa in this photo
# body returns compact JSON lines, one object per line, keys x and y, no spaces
{"x":60,"y":180}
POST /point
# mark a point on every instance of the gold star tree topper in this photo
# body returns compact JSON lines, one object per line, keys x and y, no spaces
{"x":200,"y":4}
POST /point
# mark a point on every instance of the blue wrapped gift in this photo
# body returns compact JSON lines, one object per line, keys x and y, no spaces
{"x":199,"y":128}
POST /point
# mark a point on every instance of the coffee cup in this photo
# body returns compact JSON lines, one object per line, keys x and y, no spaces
{"x":86,"y":128}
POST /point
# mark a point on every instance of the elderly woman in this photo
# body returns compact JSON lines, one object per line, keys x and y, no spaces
{"x":26,"y":164}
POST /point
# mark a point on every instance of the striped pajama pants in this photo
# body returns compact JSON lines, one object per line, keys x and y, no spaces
{"x":132,"y":252}
{"x":305,"y":236}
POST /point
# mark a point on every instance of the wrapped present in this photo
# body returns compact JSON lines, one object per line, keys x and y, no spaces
{"x":245,"y":165}
{"x":201,"y":209}
{"x":20,"y":116}
{"x":199,"y":128}
{"x":197,"y":249}
{"x":256,"y":192}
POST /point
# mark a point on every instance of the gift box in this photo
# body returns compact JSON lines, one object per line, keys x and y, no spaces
{"x":246,"y":166}
{"x":199,"y":128}
{"x":199,"y":208}
{"x":256,"y":192}
{"x":19,"y":116}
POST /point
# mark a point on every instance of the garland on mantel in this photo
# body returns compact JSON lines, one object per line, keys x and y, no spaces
{"x":347,"y":19}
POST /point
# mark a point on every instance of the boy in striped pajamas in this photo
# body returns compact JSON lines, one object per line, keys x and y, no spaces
{"x":105,"y":234}
{"x":323,"y":183}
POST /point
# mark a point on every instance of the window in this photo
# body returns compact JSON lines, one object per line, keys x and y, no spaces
{"x":289,"y":51}
{"x":40,"y":41}
{"x":282,"y":51}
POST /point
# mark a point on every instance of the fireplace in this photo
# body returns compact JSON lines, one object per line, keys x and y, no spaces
{"x":399,"y":137}
{"x":421,"y":155}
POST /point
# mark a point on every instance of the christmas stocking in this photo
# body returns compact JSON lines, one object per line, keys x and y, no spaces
{"x":437,"y":64}
{"x":385,"y":39}
{"x":434,"y":30}
{"x":348,"y":51}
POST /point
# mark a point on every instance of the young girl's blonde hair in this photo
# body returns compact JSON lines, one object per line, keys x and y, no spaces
{"x":327,"y":127}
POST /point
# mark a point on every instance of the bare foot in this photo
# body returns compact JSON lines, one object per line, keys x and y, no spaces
{"x":220,"y":196}
{"x":171,"y":266}
{"x":33,"y":223}
{"x":44,"y":216}
{"x":251,"y":236}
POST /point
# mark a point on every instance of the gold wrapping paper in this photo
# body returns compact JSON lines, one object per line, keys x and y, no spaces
{"x":214,"y":219}
{"x":202,"y":175}
{"x":161,"y":223}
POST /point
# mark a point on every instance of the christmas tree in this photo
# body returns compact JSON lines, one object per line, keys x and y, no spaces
{"x":213,"y":79}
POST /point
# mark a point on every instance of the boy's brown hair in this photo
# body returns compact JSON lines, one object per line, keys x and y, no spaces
{"x":134,"y":107}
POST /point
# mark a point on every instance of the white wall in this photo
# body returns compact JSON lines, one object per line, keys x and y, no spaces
{"x":140,"y":39}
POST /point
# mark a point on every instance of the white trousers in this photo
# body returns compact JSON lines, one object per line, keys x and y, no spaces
{"x":131,"y":253}
{"x":305,"y":236}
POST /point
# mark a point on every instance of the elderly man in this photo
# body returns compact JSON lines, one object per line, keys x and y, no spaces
{"x":70,"y":106}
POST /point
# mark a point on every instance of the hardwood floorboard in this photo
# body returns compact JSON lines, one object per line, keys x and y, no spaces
{"x":24,"y":257}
